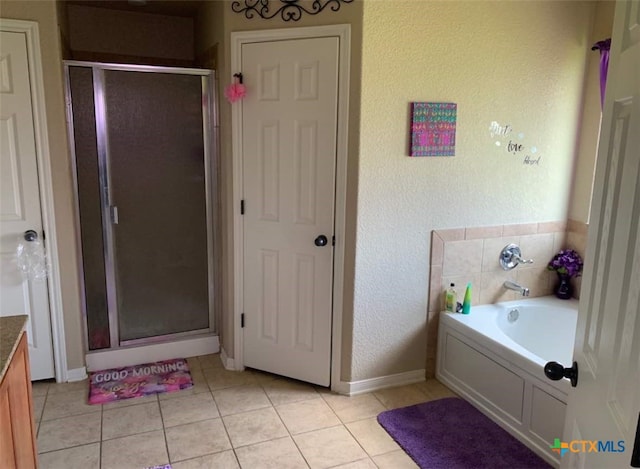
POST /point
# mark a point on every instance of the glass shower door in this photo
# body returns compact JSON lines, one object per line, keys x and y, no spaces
{"x":157,"y":197}
{"x":87,"y":163}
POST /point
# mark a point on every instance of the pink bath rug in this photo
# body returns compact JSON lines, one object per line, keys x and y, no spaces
{"x":139,"y":380}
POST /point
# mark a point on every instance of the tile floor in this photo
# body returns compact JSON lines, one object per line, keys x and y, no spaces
{"x":228,"y":419}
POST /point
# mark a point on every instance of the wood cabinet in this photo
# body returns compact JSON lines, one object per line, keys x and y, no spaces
{"x":17,"y":429}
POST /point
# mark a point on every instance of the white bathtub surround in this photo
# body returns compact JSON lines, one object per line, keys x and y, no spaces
{"x":464,"y":255}
{"x":471,"y":255}
{"x":494,"y":358}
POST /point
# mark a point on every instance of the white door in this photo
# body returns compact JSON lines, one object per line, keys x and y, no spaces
{"x":20,"y":202}
{"x":289,"y":157}
{"x":606,"y":403}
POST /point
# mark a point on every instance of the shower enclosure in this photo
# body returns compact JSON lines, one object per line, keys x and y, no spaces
{"x":143,"y":142}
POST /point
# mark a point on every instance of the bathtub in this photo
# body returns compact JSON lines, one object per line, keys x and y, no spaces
{"x":494,"y":357}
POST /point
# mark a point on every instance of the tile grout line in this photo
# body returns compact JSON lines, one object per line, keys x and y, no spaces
{"x":371,"y":456}
{"x":41,"y":412}
{"x":69,"y":447}
{"x":164,"y":430}
{"x":71,"y":415}
{"x":226,"y":431}
{"x":377,"y":399}
{"x":295,"y":443}
{"x":221,"y":420}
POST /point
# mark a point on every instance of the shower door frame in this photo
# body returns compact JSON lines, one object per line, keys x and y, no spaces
{"x":210,"y":159}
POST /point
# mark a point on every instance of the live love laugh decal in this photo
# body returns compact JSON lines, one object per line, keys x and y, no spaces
{"x":513,"y":143}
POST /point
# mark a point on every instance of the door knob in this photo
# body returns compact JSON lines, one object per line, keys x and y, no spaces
{"x":555,"y":371}
{"x":321,"y":241}
{"x":30,"y":235}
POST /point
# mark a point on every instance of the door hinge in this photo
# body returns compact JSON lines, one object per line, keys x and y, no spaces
{"x":242,"y":320}
{"x":333,"y":240}
{"x":43,"y":236}
{"x":242,"y":207}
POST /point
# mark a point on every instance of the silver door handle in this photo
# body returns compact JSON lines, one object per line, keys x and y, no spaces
{"x":114,"y":214}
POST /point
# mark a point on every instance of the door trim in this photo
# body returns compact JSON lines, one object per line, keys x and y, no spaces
{"x":343,"y":33}
{"x":43,"y":160}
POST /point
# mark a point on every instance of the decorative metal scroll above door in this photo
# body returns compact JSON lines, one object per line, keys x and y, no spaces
{"x":289,"y":10}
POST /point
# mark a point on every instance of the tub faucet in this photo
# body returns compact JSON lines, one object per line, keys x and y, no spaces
{"x":509,"y":285}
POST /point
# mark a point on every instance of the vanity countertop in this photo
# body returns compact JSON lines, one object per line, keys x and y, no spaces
{"x":10,"y":330}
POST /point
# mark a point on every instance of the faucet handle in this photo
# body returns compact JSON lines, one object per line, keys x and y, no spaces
{"x":520,"y":260}
{"x":511,"y":256}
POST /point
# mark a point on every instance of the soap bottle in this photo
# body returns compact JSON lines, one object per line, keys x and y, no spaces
{"x":450,"y":299}
{"x":466,"y":304}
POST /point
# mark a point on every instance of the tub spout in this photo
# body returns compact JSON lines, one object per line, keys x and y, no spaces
{"x":509,"y":285}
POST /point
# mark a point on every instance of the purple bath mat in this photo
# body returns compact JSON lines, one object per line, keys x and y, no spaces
{"x":450,"y":433}
{"x":139,"y":380}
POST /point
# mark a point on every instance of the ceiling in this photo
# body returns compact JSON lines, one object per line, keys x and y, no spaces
{"x":187,"y":8}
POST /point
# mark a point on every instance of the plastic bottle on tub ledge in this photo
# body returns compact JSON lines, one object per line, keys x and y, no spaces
{"x":450,"y":299}
{"x":466,"y":304}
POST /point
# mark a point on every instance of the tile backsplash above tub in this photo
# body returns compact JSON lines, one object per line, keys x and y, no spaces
{"x":466,"y":255}
{"x":471,"y":255}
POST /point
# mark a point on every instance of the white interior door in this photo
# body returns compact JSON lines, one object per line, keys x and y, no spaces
{"x":289,"y":121}
{"x":20,"y":202}
{"x":606,"y":403}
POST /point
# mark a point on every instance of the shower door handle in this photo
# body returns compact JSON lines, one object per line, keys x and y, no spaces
{"x":114,"y":214}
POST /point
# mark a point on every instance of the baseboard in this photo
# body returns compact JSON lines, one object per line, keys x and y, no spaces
{"x":77,"y":374}
{"x":136,"y":355}
{"x":351,"y":388}
{"x":341,"y":387}
{"x":227,"y":362}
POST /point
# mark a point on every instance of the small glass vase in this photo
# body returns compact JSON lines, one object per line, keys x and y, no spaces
{"x":564,"y":290}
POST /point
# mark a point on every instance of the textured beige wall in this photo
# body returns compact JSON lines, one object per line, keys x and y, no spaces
{"x":577,"y":240}
{"x":590,"y":124}
{"x":130,"y":33}
{"x":44,"y":12}
{"x":518,"y":63}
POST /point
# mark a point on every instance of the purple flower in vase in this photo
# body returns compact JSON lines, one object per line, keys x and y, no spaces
{"x":566,"y":262}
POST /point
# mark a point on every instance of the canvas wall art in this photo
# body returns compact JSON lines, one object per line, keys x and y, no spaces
{"x":433,"y":129}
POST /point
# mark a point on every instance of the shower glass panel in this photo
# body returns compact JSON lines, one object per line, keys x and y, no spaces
{"x":90,"y":206}
{"x":154,"y":128}
{"x":145,"y":178}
